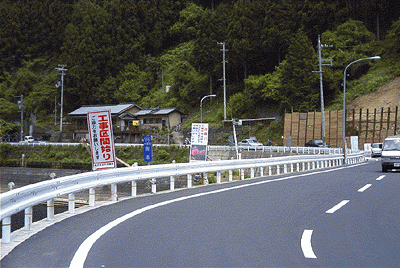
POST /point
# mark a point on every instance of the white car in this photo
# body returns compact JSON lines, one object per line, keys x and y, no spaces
{"x":376,"y":149}
{"x":29,"y":139}
{"x":250,"y":143}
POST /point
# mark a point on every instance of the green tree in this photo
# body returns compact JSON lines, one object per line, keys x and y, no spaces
{"x":298,"y":85}
{"x":350,"y":41}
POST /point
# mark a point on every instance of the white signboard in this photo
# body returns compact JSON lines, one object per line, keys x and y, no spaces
{"x":199,"y":141}
{"x":354,"y":144}
{"x":367,"y":149}
{"x":199,"y":134}
{"x":101,"y":140}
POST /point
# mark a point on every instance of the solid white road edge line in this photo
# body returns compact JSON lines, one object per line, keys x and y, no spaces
{"x":341,"y":204}
{"x":380,"y":177}
{"x":81,"y":254}
{"x":306,"y":244}
{"x":364,"y":188}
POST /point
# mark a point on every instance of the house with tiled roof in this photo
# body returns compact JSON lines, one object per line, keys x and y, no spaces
{"x":128,"y":121}
{"x":169,"y":118}
{"x":122,"y":116}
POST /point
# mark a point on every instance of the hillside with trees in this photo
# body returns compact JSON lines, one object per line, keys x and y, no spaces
{"x":129,"y":51}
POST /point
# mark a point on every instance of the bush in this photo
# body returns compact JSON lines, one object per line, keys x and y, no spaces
{"x":5,"y":150}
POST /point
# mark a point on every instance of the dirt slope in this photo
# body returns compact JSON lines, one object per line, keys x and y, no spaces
{"x":387,"y":96}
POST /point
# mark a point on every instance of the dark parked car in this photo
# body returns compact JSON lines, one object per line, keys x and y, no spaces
{"x":317,"y":143}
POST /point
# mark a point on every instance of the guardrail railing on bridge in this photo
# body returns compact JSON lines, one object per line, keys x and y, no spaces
{"x":26,"y":197}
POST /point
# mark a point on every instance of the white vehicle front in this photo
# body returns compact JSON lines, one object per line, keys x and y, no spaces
{"x":391,"y":153}
{"x":376,"y":149}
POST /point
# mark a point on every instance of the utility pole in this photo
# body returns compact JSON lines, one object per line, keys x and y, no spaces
{"x":21,"y":108}
{"x":223,"y":79}
{"x":55,"y":110}
{"x":62,"y":69}
{"x":320,"y":64}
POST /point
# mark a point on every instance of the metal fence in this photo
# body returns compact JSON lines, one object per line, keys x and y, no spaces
{"x":26,"y":197}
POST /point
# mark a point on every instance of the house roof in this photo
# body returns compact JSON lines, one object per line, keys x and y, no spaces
{"x":156,"y":111}
{"x":114,"y":109}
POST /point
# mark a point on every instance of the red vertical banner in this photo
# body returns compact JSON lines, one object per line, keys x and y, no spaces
{"x":101,"y":140}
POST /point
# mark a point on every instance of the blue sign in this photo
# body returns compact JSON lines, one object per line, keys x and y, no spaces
{"x":147,"y":148}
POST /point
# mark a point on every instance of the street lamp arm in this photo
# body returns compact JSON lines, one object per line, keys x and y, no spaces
{"x":344,"y":95}
{"x":201,"y":105}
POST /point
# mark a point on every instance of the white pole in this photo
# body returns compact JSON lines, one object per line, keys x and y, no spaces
{"x":6,"y":230}
{"x":28,"y":218}
{"x":50,"y":209}
{"x":114,"y":195}
{"x":92,"y":197}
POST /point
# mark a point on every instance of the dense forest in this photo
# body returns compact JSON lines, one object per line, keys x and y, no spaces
{"x":118,"y":51}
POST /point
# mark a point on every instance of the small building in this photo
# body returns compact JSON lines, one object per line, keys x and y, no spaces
{"x":128,"y":121}
{"x":122,"y":116}
{"x":169,"y":118}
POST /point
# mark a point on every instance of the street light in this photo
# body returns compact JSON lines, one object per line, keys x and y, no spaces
{"x":344,"y":96}
{"x":201,"y":105}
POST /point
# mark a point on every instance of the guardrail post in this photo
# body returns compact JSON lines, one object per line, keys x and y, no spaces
{"x":297,"y":166}
{"x":270,"y":170}
{"x":313,"y":164}
{"x":6,"y":230}
{"x":50,"y":209}
{"x":71,"y":203}
{"x":172,"y":183}
{"x":28,"y":218}
{"x":251,"y":173}
{"x":218,"y":176}
{"x":133,"y":188}
{"x":291,"y":167}
{"x":92,"y":197}
{"x":241,"y":173}
{"x":278,"y":169}
{"x":230,"y":175}
{"x":189,"y":180}
{"x":205,"y":178}
{"x":284,"y":168}
{"x":153,"y":186}
{"x":261,"y":171}
{"x":114,"y":195}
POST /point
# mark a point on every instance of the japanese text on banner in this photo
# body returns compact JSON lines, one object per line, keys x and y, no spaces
{"x":101,"y":140}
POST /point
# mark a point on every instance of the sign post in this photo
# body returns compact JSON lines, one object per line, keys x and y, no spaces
{"x":147,"y":149}
{"x":101,"y":140}
{"x":199,"y":142}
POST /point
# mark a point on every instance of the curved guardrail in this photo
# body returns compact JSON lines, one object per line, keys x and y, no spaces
{"x":26,"y":197}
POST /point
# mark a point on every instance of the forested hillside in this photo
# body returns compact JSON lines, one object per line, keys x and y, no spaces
{"x":129,"y":50}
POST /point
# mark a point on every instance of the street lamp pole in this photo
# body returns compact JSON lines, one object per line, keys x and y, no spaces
{"x":201,"y":105}
{"x":344,"y":96}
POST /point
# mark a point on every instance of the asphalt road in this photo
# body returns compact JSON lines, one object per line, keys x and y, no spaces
{"x":342,"y":217}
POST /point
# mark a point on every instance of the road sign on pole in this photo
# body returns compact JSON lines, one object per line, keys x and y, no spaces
{"x":147,"y":148}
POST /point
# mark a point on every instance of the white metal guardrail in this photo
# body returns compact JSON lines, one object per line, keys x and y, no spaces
{"x":284,"y":149}
{"x":26,"y":197}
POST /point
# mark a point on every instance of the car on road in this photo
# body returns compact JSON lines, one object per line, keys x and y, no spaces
{"x":250,"y":143}
{"x":316,"y":143}
{"x":376,"y":149}
{"x":390,"y":158}
{"x":29,"y":139}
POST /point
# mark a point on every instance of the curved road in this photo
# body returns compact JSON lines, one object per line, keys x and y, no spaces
{"x":346,"y":216}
